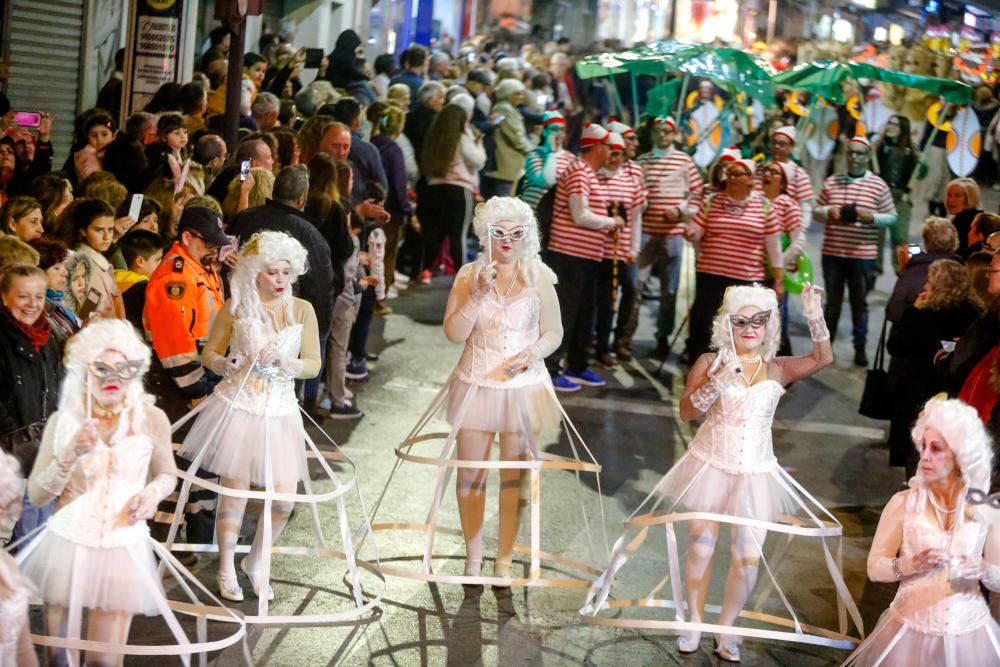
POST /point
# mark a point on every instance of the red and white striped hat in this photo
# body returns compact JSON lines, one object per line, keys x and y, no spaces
{"x":592,"y":135}
{"x":731,"y":153}
{"x":665,"y":120}
{"x":553,"y":117}
{"x":616,"y":141}
{"x":861,"y":141}
{"x":620,"y":128}
{"x":787,"y":131}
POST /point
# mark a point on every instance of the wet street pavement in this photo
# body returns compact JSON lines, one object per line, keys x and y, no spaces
{"x":631,"y":426}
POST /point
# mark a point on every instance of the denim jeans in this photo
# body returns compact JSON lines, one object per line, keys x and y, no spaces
{"x":663,"y":254}
{"x":310,"y":389}
{"x":857,"y":276}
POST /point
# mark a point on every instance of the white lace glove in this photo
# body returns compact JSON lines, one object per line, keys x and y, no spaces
{"x":143,"y":505}
{"x":56,"y":475}
{"x":522,"y":361}
{"x":233,"y":364}
{"x":812,"y":308}
{"x":721,"y":375}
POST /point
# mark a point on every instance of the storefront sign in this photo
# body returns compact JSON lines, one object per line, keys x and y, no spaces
{"x":152,"y":50}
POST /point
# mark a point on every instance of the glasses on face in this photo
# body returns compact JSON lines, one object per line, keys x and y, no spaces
{"x":781,"y":142}
{"x":125,"y":370}
{"x":893,"y":123}
{"x":736,"y":173}
{"x":756,"y":321}
{"x":774,"y":171}
{"x":515,"y":234}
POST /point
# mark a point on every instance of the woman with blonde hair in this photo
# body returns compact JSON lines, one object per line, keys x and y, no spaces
{"x":254,"y":191}
{"x":941,"y":314}
{"x":962,"y":201}
{"x":387,"y":127}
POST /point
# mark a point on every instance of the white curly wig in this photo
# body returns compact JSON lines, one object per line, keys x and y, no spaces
{"x":965,"y":436}
{"x":498,"y":209}
{"x":10,"y":489}
{"x":261,"y":251}
{"x":736,"y":298}
{"x":82,"y":349}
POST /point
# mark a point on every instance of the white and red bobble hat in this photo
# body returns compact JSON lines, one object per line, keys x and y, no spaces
{"x":620,"y":128}
{"x":592,"y":135}
{"x":665,"y":120}
{"x":616,"y":141}
{"x":861,"y":141}
{"x":748,"y":163}
{"x":731,"y":153}
{"x":787,"y":131}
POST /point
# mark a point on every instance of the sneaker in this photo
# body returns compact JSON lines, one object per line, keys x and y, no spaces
{"x":609,"y":360}
{"x":623,"y":350}
{"x":586,"y":377}
{"x":314,"y":410}
{"x":391,"y":293}
{"x":382,"y":309}
{"x":563,"y":383}
{"x":356,"y":370}
{"x":345,"y":411}
{"x":860,"y":358}
{"x":371,"y":356}
{"x":400,"y":280}
{"x":425,"y":277}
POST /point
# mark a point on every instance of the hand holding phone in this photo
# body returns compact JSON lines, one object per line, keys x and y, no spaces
{"x":313,"y":59}
{"x":244,"y":170}
{"x":89,"y":307}
{"x":27,"y":118}
{"x":135,"y":207}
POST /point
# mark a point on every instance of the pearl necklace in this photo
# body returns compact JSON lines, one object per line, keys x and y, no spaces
{"x":751,"y":360}
{"x":510,"y":285}
{"x":938,"y":508}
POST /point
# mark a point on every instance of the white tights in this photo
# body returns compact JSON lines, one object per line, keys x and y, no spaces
{"x":102,"y":626}
{"x":229,"y":519}
{"x":470,"y":489}
{"x":742,"y":571}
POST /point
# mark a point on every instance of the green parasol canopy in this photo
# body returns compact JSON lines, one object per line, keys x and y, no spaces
{"x":733,"y":70}
{"x":825,"y":76}
{"x":653,"y":59}
{"x":662,"y":99}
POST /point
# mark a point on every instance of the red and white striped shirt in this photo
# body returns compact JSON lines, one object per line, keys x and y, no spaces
{"x":858,"y":240}
{"x":787,"y":213}
{"x":734,"y":234}
{"x":566,"y":236}
{"x":622,"y":188}
{"x":670,"y":180}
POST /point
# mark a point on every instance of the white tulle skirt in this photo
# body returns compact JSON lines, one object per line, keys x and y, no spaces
{"x":506,"y":410}
{"x":122,"y":579}
{"x":910,"y":647}
{"x":237,"y":449}
{"x":698,"y":486}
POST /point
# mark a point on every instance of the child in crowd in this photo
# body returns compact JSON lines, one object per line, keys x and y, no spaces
{"x":376,"y":246}
{"x":171,"y":140}
{"x":345,"y":310}
{"x":357,"y":365}
{"x":142,"y":251}
{"x":99,"y":130}
{"x":88,"y":227}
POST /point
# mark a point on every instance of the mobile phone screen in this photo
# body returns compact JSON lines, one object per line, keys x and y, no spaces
{"x":27,"y":119}
{"x":314,"y":58}
{"x":244,"y":170}
{"x":90,"y":305}
{"x":135,"y":207}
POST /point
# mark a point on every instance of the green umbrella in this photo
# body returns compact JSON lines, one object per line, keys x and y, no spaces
{"x":825,"y":76}
{"x":733,"y":70}
{"x":653,"y":59}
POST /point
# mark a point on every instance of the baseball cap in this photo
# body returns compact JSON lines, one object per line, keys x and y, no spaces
{"x":204,"y":222}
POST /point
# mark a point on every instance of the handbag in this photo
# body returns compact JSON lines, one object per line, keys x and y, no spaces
{"x":875,"y":397}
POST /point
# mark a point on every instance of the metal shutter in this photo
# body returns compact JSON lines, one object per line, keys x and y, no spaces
{"x":44,"y":49}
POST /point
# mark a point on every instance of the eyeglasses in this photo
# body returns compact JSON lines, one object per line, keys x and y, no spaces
{"x":737,"y":172}
{"x":516,"y":234}
{"x":125,"y":370}
{"x":756,"y":322}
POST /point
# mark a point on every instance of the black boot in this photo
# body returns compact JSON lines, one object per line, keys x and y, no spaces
{"x":860,"y":358}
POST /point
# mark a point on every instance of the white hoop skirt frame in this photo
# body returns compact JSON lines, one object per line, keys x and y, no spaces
{"x":810,"y":519}
{"x":76,"y":592}
{"x":457,"y":399}
{"x":365,"y":602}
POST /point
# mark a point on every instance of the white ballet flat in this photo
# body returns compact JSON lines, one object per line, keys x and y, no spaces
{"x":727,"y":648}
{"x":256,"y":588}
{"x":229,"y":588}
{"x":689,"y":643}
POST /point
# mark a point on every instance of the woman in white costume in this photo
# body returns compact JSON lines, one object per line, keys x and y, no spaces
{"x":730,"y":467}
{"x":939,"y":549}
{"x":504,"y":308}
{"x":106,"y":456}
{"x":15,"y":589}
{"x":249,"y":431}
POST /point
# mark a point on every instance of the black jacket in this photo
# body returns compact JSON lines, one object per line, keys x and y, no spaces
{"x":418,"y":122}
{"x":911,"y":283}
{"x":32,"y":382}
{"x":981,"y":337}
{"x":126,"y":159}
{"x":316,"y":285}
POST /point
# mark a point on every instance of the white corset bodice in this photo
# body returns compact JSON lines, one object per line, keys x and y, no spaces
{"x":264,"y":393}
{"x":500,"y":332}
{"x":931,"y":602}
{"x":736,"y":434}
{"x":110,"y":476}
